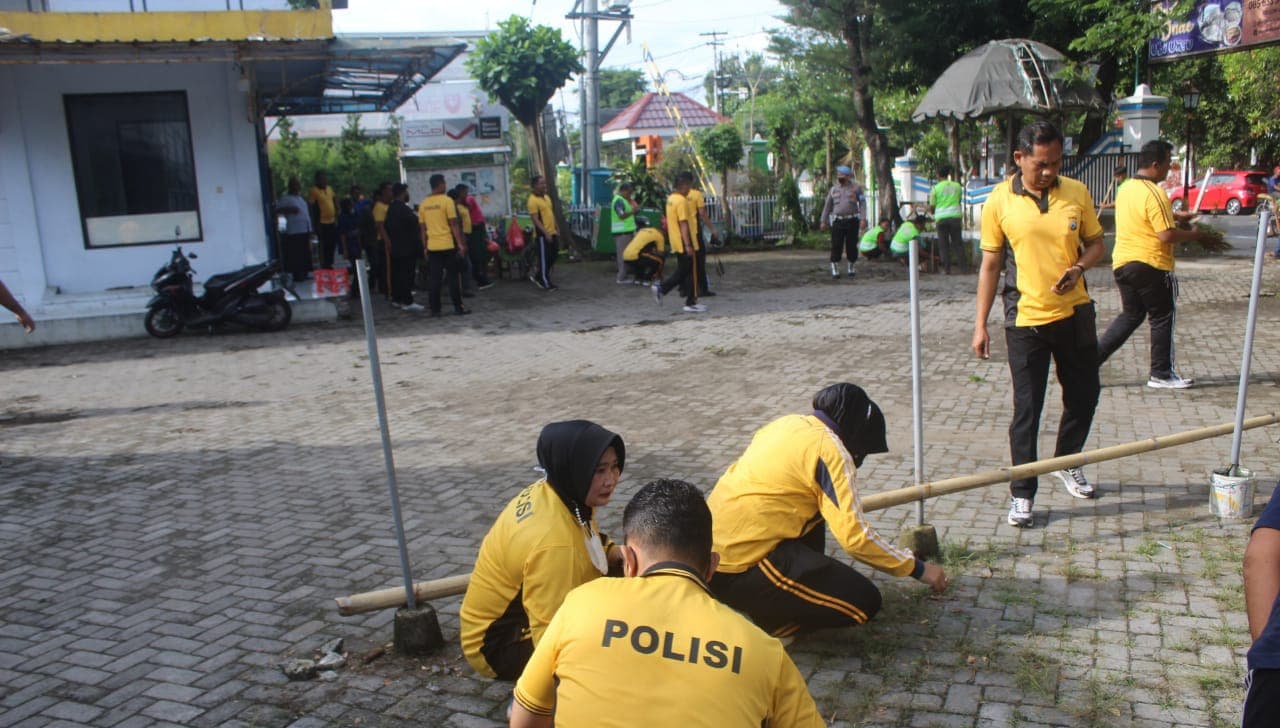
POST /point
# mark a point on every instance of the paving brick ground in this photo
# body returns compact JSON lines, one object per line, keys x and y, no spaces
{"x":176,"y":516}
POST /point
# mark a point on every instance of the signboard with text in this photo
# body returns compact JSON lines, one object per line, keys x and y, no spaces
{"x":1216,"y":26}
{"x":452,"y":134}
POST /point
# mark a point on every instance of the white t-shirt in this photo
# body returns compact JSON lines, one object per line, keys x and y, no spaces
{"x":298,"y":221}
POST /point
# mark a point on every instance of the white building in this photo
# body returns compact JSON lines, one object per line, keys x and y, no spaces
{"x":124,"y":133}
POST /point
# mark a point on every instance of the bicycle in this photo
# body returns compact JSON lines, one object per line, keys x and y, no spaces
{"x":1266,"y":203}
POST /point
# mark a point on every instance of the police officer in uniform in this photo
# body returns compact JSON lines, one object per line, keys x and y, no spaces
{"x":657,"y":648}
{"x":843,"y":214}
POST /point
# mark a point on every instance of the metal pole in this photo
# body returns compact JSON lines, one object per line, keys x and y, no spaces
{"x":917,"y":416}
{"x":1246,"y":357}
{"x":591,"y":98}
{"x":375,"y":370}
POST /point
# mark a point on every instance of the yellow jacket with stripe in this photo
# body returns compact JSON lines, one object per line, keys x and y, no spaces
{"x":795,"y":474}
{"x":534,"y":554}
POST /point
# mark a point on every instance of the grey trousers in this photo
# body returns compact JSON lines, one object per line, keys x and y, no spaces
{"x":620,"y":241}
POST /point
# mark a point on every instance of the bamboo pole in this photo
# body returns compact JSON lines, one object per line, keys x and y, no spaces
{"x":457,"y":584}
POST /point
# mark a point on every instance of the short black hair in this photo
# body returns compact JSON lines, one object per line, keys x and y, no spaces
{"x":435,"y":181}
{"x":534,"y":179}
{"x":1119,"y":170}
{"x":1038,"y":133}
{"x":398,"y":189}
{"x":944,"y":170}
{"x":1154,"y":152}
{"x":626,"y":186}
{"x":461,"y":188}
{"x":671,"y":515}
{"x":684,"y":177}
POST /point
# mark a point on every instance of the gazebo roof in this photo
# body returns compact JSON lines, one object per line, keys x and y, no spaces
{"x":650,"y":115}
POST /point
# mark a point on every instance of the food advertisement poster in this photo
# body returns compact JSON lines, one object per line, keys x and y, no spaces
{"x":1216,"y":26}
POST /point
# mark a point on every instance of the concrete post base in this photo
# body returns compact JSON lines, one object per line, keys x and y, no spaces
{"x":417,"y":631}
{"x":922,"y":540}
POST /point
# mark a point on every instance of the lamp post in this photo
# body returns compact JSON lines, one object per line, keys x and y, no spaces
{"x":1190,"y":100}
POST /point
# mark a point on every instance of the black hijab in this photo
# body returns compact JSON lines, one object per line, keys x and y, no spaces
{"x":858,"y":421}
{"x":569,"y":452}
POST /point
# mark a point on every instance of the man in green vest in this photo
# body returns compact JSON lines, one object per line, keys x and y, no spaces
{"x":945,"y":203}
{"x":874,"y":242}
{"x":623,"y":225}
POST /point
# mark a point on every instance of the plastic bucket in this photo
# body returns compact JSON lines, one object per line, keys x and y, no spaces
{"x":1231,"y":496}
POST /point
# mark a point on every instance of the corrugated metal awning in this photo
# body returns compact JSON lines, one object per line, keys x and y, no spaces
{"x":344,"y":74}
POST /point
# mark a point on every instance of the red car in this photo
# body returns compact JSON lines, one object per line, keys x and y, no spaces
{"x":1232,"y":191}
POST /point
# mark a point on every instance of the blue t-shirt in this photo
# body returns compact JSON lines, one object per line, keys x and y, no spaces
{"x":1265,"y":653}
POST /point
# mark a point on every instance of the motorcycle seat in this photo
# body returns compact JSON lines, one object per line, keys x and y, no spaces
{"x":222,"y":280}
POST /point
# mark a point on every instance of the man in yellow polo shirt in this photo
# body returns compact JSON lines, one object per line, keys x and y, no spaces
{"x":656,"y":648}
{"x":324,"y":213}
{"x":706,"y":234}
{"x":1142,"y":262}
{"x":545,"y":231}
{"x":682,"y":236}
{"x":1043,"y":231}
{"x":438,"y":215}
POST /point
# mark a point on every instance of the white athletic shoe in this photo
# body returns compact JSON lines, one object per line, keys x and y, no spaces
{"x":1075,"y":482}
{"x":415,"y":307}
{"x":835,"y":271}
{"x":1174,"y":382}
{"x":657,"y":293}
{"x":1020,"y":513}
{"x":695,"y":308}
{"x":851,"y":272}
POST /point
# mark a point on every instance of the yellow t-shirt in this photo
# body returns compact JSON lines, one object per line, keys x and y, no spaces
{"x":464,"y":217}
{"x":535,"y":549}
{"x":434,"y":213}
{"x":660,"y":650}
{"x":323,"y":199}
{"x":1142,"y":211}
{"x":642,"y":238}
{"x":695,"y":196}
{"x":795,"y":470}
{"x":380,"y":214}
{"x":1040,"y":239}
{"x":680,"y":208}
{"x":541,"y":207}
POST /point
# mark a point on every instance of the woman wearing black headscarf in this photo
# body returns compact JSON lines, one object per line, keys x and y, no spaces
{"x":770,"y":507}
{"x":544,"y":544}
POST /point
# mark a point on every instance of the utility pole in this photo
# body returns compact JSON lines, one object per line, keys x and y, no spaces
{"x":588,"y":11}
{"x":715,"y":44}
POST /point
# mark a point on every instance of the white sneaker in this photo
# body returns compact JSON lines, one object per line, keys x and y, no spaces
{"x":1020,"y":513}
{"x":835,"y":271}
{"x":657,"y":293}
{"x":695,"y":308}
{"x":851,"y":272}
{"x":1173,"y":382}
{"x":414,"y":307}
{"x":1074,"y":480}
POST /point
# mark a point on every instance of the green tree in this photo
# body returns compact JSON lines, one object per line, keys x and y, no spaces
{"x":722,"y":149}
{"x":353,"y":144}
{"x":649,"y":192}
{"x":619,"y":87}
{"x":522,"y":66}
{"x":285,"y":160}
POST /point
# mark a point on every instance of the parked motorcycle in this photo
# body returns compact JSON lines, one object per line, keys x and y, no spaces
{"x":228,"y":297}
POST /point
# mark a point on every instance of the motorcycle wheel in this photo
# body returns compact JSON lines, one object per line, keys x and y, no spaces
{"x":279,"y":314}
{"x":163,"y":322}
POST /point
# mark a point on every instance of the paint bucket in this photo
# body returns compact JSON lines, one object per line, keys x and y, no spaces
{"x":1231,"y":493}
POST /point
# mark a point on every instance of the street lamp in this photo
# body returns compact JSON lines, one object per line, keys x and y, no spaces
{"x":1190,"y":100}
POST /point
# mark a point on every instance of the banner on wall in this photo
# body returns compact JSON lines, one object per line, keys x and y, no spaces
{"x":487,"y":183}
{"x":1215,"y":26}
{"x":452,"y":117}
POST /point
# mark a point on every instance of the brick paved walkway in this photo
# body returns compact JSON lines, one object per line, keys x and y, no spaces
{"x":176,"y":516}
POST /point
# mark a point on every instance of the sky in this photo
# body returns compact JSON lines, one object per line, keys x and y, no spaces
{"x":669,"y":27}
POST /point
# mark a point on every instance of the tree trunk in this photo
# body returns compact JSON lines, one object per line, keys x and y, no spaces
{"x":856,"y":35}
{"x":952,"y":127}
{"x":1095,"y":121}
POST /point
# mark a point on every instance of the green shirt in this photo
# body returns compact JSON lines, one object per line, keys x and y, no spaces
{"x":901,"y":243}
{"x":945,"y":198}
{"x":622,"y":225}
{"x":870,"y":239}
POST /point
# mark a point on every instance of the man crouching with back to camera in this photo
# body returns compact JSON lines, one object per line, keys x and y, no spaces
{"x":657,"y":648}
